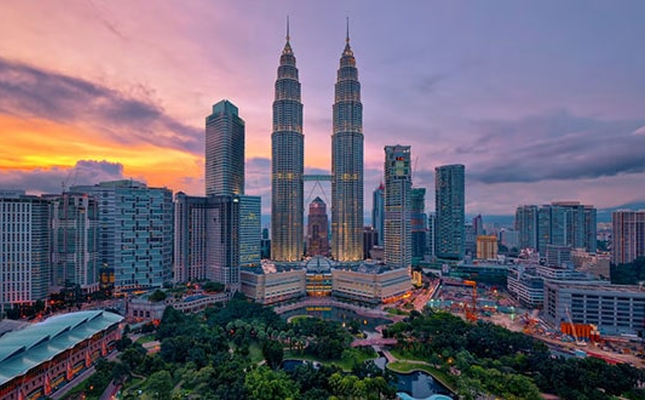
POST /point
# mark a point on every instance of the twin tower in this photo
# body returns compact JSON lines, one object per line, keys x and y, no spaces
{"x":287,"y":166}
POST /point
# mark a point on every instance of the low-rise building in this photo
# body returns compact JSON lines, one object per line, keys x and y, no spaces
{"x":613,"y":309}
{"x":526,"y":282}
{"x":37,"y":360}
{"x":591,"y":263}
{"x":318,"y":276}
{"x":273,"y":282}
{"x":370,"y":283}
{"x":142,"y":309}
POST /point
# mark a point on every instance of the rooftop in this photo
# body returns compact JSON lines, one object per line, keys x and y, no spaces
{"x":24,"y":349}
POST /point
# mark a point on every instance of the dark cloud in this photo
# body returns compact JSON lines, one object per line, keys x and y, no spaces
{"x":52,"y":180}
{"x":556,"y":146}
{"x":27,"y":91}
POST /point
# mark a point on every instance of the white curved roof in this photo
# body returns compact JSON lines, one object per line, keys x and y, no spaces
{"x":27,"y":348}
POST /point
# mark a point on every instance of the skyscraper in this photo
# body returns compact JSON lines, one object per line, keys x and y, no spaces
{"x":190,"y":238}
{"x":318,"y":229}
{"x":224,"y":150}
{"x":398,"y":187}
{"x":74,"y":228}
{"x":450,"y":208}
{"x":287,"y":162}
{"x":418,"y":222}
{"x":347,"y":162}
{"x":431,"y":237}
{"x":24,"y":248}
{"x":377,"y":212}
{"x":135,"y":231}
{"x":628,"y":230}
{"x":526,"y":223}
{"x":563,"y":223}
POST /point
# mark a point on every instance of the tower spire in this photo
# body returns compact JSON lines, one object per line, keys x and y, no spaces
{"x":287,"y":46}
{"x":347,"y":37}
{"x":288,"y":37}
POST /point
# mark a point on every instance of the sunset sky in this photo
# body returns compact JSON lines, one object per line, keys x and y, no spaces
{"x":541,"y":101}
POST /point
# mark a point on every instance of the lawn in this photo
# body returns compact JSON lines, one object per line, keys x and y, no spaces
{"x":406,"y":355}
{"x":405,"y":367}
{"x":146,"y":339}
{"x":351,"y":357}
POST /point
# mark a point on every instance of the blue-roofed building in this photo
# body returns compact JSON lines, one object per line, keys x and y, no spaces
{"x":37,"y":360}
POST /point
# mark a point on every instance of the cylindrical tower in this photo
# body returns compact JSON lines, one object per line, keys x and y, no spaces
{"x":347,"y":162}
{"x":287,"y":162}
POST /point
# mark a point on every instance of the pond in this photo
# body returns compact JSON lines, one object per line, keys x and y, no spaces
{"x":421,"y":385}
{"x":337,"y":314}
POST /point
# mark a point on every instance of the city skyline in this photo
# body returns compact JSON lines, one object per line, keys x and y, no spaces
{"x":541,"y":102}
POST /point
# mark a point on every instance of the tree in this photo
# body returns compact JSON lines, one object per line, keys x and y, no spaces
{"x":157,"y":296}
{"x":263,"y":383}
{"x":273,"y":353}
{"x":159,"y":385}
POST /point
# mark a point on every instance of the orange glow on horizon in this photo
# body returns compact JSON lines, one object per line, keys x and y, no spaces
{"x":39,"y":144}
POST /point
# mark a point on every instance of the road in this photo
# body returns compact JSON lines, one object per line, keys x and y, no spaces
{"x":80,"y":378}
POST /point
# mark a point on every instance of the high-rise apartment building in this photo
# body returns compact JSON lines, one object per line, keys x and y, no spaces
{"x":215,"y":236}
{"x":25,"y":246}
{"x":378,"y":204}
{"x":450,"y":211}
{"x":563,"y":223}
{"x":398,"y":188}
{"x":224,"y":150}
{"x":74,"y":235}
{"x":628,"y":236}
{"x":318,"y":229}
{"x":486,"y":247}
{"x":526,"y":223}
{"x":287,"y":162}
{"x":418,"y":222}
{"x":431,"y":236}
{"x":190,"y":238}
{"x":347,"y":162}
{"x":135,"y":236}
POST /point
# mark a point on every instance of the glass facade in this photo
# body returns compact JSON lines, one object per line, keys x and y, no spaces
{"x":287,"y":163}
{"x":347,"y":163}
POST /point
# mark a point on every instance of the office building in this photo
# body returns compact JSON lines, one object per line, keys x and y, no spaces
{"x":398,"y":188}
{"x":486,"y":247}
{"x":563,"y":223}
{"x":224,"y":169}
{"x":526,"y":223}
{"x":378,"y":210}
{"x":370,"y":240}
{"x":190,"y":238}
{"x":287,"y":162}
{"x":318,"y":229}
{"x":613,"y":309}
{"x":431,"y":237}
{"x":628,"y":229}
{"x":249,"y":232}
{"x":558,"y":256}
{"x":74,"y":234}
{"x":25,"y":246}
{"x":418,"y":222}
{"x":347,"y":162}
{"x":450,"y":209}
{"x":526,"y":282}
{"x":510,"y":239}
{"x":215,"y":236}
{"x":135,"y":232}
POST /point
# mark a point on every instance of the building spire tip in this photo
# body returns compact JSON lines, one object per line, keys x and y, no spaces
{"x":288,"y":36}
{"x":347,"y":37}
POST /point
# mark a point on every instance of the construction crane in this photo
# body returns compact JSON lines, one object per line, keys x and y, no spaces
{"x":573,"y":328}
{"x":471,"y":312}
